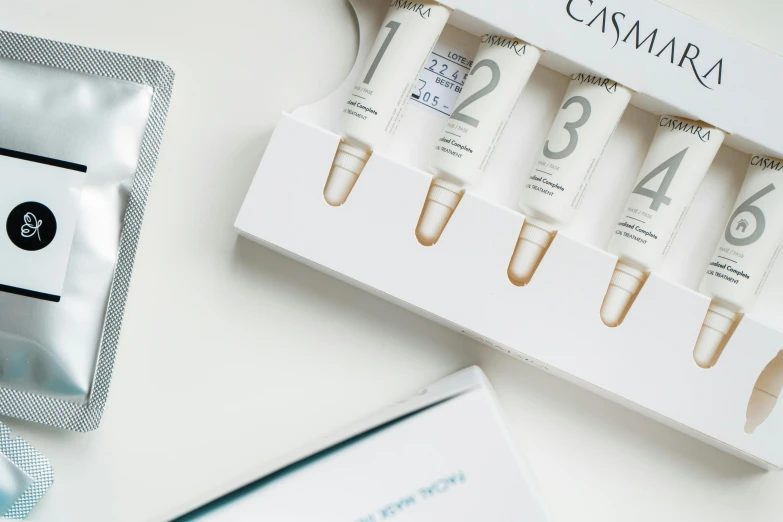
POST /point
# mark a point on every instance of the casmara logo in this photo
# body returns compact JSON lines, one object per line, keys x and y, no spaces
{"x":416,"y":7}
{"x":619,"y":24}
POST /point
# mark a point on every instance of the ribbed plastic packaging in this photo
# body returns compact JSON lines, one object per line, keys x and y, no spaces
{"x":25,"y":475}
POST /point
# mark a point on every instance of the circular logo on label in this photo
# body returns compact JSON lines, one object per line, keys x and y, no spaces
{"x":31,"y":226}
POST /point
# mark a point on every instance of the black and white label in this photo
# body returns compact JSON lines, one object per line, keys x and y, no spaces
{"x":39,"y":202}
{"x":31,"y":226}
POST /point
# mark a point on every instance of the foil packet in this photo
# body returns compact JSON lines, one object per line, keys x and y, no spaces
{"x":25,"y":475}
{"x":79,"y":137}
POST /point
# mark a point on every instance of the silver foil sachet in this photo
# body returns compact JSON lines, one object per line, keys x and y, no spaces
{"x":79,"y":137}
{"x":25,"y":475}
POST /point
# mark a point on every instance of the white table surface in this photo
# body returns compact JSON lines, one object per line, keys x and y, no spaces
{"x":232,"y":354}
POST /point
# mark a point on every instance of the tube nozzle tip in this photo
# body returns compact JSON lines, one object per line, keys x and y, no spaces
{"x":339,"y":185}
{"x":533,"y":243}
{"x":433,"y":220}
{"x":625,"y":282}
{"x":348,"y":164}
{"x":717,"y":324}
{"x":707,"y":346}
{"x":442,"y":199}
{"x":614,"y":306}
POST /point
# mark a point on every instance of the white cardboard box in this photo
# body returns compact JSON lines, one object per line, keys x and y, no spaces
{"x":442,"y":454}
{"x":646,"y":363}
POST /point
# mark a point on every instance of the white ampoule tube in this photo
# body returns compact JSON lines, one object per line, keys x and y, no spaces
{"x":374,"y":107}
{"x":681,"y":152}
{"x":464,"y":149}
{"x":592,"y":108}
{"x":744,"y":256}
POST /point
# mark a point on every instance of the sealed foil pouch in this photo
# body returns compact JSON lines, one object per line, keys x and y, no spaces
{"x":25,"y":475}
{"x":80,"y":130}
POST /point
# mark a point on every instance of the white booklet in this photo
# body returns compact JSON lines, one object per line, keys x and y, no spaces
{"x":442,"y":454}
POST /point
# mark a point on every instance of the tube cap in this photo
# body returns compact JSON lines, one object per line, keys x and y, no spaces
{"x":438,"y":208}
{"x":348,"y":164}
{"x":533,"y":242}
{"x":717,"y":324}
{"x":625,"y":282}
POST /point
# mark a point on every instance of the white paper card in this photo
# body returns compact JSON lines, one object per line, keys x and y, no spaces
{"x":39,"y":200}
